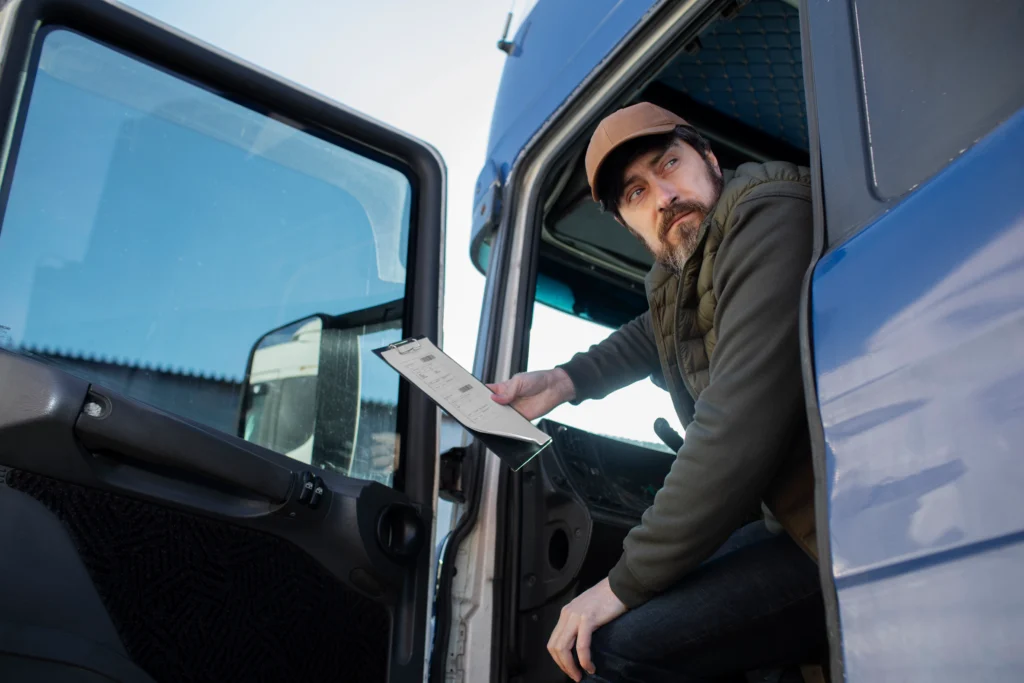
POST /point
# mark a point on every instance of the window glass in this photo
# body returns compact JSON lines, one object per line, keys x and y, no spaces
{"x":155,"y":232}
{"x":627,"y":414}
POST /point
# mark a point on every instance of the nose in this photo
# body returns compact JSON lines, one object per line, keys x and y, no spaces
{"x":667,"y":193}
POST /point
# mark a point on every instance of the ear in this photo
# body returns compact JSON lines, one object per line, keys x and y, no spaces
{"x":714,"y":161}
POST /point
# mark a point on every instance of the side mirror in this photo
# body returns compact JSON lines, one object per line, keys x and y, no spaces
{"x":302,"y":394}
{"x":279,"y":395}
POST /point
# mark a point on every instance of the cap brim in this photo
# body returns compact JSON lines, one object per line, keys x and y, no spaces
{"x":652,"y":130}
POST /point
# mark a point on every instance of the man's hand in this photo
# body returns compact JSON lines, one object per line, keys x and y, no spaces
{"x":535,"y":394}
{"x":580,"y":618}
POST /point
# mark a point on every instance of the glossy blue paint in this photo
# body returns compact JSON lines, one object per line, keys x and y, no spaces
{"x":556,"y":47}
{"x":918,"y":325}
{"x":957,"y":621}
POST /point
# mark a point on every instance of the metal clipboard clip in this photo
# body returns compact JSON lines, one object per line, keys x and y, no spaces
{"x":405,"y":346}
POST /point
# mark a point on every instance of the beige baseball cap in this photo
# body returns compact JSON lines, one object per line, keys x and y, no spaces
{"x":626,"y":124}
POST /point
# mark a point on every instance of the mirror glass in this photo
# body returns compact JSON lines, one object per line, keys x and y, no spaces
{"x":280,"y":394}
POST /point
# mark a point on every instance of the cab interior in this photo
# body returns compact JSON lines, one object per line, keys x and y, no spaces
{"x":738,"y":79}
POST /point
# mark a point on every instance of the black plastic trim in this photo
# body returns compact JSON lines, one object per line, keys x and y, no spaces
{"x":125,"y":429}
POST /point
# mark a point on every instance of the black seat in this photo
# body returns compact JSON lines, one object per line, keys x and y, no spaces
{"x":53,"y":625}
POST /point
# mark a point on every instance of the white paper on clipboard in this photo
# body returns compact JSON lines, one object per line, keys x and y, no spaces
{"x":503,"y":430}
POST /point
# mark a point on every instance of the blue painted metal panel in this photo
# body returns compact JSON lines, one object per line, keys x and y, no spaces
{"x":556,"y":47}
{"x":957,"y":621}
{"x":918,"y":327}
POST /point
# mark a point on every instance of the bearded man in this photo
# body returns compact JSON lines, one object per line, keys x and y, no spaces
{"x":701,"y":592}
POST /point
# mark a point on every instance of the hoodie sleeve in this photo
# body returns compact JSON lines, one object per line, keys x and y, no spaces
{"x":628,"y":355}
{"x":753,"y":403}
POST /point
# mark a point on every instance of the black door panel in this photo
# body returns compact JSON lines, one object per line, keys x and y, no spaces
{"x":139,"y":451}
{"x":194,"y":599}
{"x":204,"y":577}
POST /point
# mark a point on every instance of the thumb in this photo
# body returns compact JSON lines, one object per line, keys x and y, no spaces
{"x":505,"y":392}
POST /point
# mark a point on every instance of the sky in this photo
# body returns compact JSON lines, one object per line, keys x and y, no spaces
{"x":432,"y":70}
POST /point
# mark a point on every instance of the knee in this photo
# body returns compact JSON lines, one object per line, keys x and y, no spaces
{"x":618,"y":654}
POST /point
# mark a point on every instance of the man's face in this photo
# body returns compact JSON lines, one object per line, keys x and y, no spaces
{"x":666,"y":196}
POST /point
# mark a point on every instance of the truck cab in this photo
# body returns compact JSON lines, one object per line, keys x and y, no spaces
{"x":909,"y":312}
{"x":181,"y":230}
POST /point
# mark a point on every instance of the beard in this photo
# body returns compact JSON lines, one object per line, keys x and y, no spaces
{"x":675,"y":257}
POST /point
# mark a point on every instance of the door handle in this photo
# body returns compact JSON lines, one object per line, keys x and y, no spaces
{"x":120,"y":427}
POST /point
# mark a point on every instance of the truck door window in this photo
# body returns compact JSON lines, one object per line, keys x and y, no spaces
{"x":155,"y":231}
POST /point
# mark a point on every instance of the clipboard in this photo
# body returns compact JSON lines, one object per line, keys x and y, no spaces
{"x":456,"y":391}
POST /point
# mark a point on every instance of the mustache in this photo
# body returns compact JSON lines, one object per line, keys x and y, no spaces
{"x":674,"y":211}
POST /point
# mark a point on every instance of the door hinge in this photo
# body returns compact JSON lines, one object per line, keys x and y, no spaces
{"x":449,"y":485}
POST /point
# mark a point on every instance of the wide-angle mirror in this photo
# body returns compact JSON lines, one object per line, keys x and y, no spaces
{"x":279,"y":401}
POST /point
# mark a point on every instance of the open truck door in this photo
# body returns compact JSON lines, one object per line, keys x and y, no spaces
{"x":913,"y":334}
{"x":168,"y":213}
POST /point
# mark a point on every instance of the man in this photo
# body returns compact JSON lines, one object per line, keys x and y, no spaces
{"x":698,"y":592}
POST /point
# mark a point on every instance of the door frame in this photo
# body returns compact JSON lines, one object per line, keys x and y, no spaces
{"x":823,"y":538}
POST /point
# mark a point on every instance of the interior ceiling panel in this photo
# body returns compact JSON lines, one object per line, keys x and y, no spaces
{"x":750,"y":68}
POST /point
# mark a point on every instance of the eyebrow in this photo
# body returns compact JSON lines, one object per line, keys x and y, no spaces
{"x":657,"y":159}
{"x":629,"y":181}
{"x":651,"y":164}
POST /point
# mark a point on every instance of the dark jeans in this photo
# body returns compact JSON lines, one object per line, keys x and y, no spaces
{"x":755,"y":604}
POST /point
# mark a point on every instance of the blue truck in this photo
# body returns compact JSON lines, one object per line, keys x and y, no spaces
{"x":169,"y":211}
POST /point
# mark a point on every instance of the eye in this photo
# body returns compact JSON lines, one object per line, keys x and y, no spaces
{"x":671,"y":162}
{"x":634,"y":194}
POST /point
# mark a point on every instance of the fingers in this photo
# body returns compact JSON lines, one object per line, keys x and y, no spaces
{"x":583,"y":645}
{"x":561,"y":642}
{"x":503,"y":399}
{"x":505,"y":392}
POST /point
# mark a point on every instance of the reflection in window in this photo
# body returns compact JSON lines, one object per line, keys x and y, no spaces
{"x":155,"y":231}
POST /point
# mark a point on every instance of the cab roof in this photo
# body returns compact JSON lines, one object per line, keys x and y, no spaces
{"x":556,"y":46}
